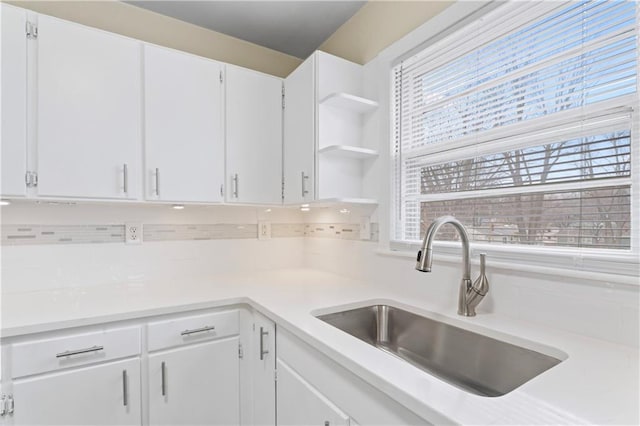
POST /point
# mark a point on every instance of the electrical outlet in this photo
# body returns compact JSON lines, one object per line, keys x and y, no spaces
{"x":133,"y":233}
{"x":264,"y":230}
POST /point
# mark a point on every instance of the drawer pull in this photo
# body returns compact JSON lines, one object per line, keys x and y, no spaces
{"x":163,"y":369}
{"x":125,"y":388}
{"x":80,"y":351}
{"x":263,"y":351}
{"x":197,"y":330}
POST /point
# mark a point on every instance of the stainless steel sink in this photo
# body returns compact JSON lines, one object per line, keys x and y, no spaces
{"x":478,"y":364}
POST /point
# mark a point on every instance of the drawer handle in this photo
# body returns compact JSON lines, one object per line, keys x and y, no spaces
{"x":163,"y":370}
{"x":197,"y":330}
{"x":80,"y":351}
{"x":125,"y":388}
{"x":263,"y":351}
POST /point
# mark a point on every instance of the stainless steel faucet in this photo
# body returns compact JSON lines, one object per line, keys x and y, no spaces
{"x":471,"y":294}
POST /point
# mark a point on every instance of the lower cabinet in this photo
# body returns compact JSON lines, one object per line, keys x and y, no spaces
{"x":195,"y":385}
{"x":312,"y":389}
{"x":262,"y":359}
{"x":208,"y":367}
{"x":106,"y":394}
{"x":299,"y":403}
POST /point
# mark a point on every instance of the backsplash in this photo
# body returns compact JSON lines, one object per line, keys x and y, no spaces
{"x":110,"y":233}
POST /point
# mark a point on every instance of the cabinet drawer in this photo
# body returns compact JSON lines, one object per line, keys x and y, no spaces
{"x":195,"y":328}
{"x":56,"y":353}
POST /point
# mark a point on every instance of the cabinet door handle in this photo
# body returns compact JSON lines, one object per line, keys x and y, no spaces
{"x":11,"y":404}
{"x":125,"y":389}
{"x":263,"y":352}
{"x":157,"y":176}
{"x":235,"y":186}
{"x":3,"y":405}
{"x":198,"y":330}
{"x":80,"y":351}
{"x":304,"y":184}
{"x":163,"y":372}
{"x":125,"y":178}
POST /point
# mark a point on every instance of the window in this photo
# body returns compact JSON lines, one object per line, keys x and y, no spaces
{"x":524,"y":126}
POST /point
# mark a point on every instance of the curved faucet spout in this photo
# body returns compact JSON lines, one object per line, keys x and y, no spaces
{"x":425,"y":260}
{"x":425,"y":255}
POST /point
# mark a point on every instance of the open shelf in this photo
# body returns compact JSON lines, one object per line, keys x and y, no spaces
{"x":350,"y":102}
{"x":327,"y":202}
{"x":347,"y":151}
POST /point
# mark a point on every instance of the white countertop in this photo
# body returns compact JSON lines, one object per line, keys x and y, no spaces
{"x":598,"y":383}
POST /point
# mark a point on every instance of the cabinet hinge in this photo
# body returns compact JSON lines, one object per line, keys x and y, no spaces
{"x":240,"y":351}
{"x":282,"y":95}
{"x":221,"y":76}
{"x":275,"y":375}
{"x":6,"y":405}
{"x":31,"y":30}
{"x":31,"y":179}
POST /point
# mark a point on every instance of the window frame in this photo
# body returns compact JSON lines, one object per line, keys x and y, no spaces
{"x":607,"y":261}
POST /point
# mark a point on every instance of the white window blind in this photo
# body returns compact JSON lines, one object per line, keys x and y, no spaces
{"x":523,"y":125}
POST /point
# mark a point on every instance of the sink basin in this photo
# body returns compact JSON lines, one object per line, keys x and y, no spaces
{"x":475,"y":363}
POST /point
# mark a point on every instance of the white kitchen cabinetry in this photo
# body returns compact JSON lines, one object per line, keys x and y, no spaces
{"x":184,"y":138}
{"x":253,"y":137}
{"x":195,"y":385}
{"x":106,"y":394}
{"x":324,"y":117}
{"x":299,"y":403}
{"x":307,"y":378}
{"x":13,"y":139}
{"x":194,"y":370}
{"x":76,"y":379}
{"x":299,"y":134}
{"x":89,"y":112}
{"x":263,"y":365}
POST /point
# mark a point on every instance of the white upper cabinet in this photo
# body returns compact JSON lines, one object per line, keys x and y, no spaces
{"x":253,"y":137}
{"x":89,"y":112}
{"x":14,"y":100}
{"x":184,"y":139}
{"x":325,"y":154}
{"x":299,"y":134}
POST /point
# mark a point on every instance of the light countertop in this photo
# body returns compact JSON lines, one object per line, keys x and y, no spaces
{"x":597,"y":383}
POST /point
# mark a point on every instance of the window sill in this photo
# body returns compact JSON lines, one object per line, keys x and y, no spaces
{"x":602,"y":277}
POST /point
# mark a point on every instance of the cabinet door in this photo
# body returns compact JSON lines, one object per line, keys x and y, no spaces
{"x":13,"y":138}
{"x":184,"y":145}
{"x":107,"y":394}
{"x":254,"y":136}
{"x":300,"y":134}
{"x":263,"y":368}
{"x":88,"y":112}
{"x":195,"y":385}
{"x":299,"y":403}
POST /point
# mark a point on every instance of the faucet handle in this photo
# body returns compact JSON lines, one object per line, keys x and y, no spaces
{"x":481,"y":284}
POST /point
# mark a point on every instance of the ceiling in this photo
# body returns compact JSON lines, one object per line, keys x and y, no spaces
{"x":296,"y":28}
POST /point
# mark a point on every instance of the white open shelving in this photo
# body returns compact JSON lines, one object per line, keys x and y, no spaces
{"x":349,"y":102}
{"x":328,"y":202}
{"x":348,"y":151}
